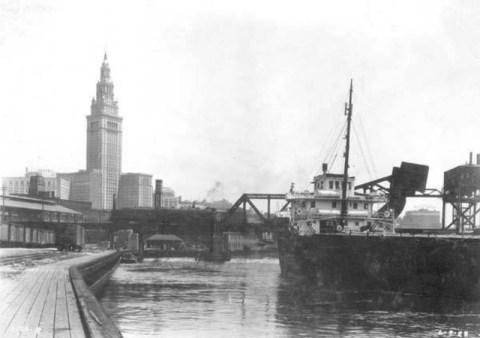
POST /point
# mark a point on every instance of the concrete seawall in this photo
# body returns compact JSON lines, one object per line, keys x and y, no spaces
{"x":87,"y":280}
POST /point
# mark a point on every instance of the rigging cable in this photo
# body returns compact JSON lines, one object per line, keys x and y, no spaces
{"x":329,"y":137}
{"x":367,"y":145}
{"x":336,"y":147}
{"x":362,"y":152}
{"x":332,"y":143}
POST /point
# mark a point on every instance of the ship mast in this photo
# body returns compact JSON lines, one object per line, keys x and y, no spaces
{"x":348,"y":112}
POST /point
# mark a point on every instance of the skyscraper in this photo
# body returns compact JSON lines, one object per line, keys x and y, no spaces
{"x":135,"y":191}
{"x":104,"y":137}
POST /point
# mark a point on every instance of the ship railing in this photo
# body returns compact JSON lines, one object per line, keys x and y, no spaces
{"x":310,"y":195}
{"x":294,"y":195}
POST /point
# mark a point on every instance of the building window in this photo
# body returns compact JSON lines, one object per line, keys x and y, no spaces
{"x":337,"y":185}
{"x":334,"y":205}
{"x":330,"y":184}
{"x":355,"y":205}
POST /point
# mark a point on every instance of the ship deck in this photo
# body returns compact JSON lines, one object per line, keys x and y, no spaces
{"x":404,"y":235}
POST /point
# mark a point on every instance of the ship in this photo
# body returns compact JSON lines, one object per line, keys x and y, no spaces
{"x":341,"y":237}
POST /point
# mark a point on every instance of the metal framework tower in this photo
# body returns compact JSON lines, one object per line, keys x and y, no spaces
{"x":462,"y":197}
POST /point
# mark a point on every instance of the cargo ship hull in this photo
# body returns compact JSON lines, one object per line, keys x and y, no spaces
{"x":447,"y":267}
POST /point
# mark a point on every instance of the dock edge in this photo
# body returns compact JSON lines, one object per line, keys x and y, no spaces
{"x":87,"y":279}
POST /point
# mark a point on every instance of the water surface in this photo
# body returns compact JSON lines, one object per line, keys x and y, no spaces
{"x":248,"y":298}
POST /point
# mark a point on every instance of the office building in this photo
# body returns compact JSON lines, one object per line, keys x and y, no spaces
{"x":59,"y":187}
{"x":104,"y":137}
{"x":85,"y":186}
{"x":135,"y":191}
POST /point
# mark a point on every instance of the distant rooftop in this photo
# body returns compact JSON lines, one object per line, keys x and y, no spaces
{"x":164,"y":238}
{"x":143,"y":174}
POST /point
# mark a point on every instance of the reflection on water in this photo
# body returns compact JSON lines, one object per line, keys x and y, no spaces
{"x":247,"y":298}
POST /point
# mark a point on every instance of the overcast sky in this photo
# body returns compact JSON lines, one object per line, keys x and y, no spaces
{"x":244,"y":93}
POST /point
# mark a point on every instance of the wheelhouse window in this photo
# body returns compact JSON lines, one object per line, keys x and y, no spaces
{"x":330,"y":184}
{"x":337,"y":185}
{"x":355,"y":205}
{"x":365,"y":206}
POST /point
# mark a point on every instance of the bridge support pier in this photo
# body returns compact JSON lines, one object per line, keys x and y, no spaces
{"x":111,"y":238}
{"x":141,"y":246}
{"x":268,"y":206}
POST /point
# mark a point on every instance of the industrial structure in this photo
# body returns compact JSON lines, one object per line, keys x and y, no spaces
{"x":461,"y":197}
{"x":33,"y":222}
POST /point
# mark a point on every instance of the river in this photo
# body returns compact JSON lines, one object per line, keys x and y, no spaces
{"x":248,"y":298}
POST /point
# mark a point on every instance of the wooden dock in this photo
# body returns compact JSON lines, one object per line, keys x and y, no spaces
{"x":42,"y":303}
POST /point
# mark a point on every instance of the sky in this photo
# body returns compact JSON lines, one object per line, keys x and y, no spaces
{"x":242,"y":96}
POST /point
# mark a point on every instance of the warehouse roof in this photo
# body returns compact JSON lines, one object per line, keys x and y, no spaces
{"x":34,"y":204}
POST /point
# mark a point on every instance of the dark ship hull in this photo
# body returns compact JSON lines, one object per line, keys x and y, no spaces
{"x":447,"y":267}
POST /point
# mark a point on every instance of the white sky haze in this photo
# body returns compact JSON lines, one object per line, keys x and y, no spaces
{"x":244,"y":93}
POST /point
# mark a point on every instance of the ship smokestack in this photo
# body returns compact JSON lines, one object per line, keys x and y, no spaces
{"x":158,"y":194}
{"x":325,"y":167}
{"x":471,"y":158}
{"x":478,"y":159}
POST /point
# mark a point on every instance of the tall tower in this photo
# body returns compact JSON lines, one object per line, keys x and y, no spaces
{"x":104,"y":137}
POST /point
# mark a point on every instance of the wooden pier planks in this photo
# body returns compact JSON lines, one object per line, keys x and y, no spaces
{"x":42,"y":303}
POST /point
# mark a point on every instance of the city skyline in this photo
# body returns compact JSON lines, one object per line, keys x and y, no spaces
{"x":240,"y":94}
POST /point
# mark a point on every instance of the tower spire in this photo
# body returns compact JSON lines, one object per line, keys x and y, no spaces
{"x":105,"y":71}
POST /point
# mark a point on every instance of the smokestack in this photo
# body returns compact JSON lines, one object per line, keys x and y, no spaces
{"x":158,"y":194}
{"x":478,"y":159}
{"x":471,"y":158}
{"x":37,"y":185}
{"x":325,"y":167}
